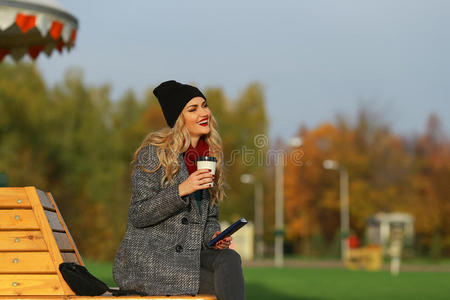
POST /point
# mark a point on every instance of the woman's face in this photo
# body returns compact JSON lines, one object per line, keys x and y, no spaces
{"x":197,"y":115}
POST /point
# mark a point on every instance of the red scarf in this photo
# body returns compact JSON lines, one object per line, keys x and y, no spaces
{"x":191,"y":154}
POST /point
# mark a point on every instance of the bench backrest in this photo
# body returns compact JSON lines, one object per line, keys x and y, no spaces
{"x":34,"y":240}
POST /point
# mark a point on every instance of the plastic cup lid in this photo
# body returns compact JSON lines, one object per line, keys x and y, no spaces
{"x":207,"y":158}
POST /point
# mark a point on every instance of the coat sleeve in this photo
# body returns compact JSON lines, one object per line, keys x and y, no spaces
{"x":150,"y":202}
{"x":212,"y":224}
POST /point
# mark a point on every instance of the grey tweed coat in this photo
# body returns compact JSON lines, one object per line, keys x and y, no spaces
{"x":160,"y":252}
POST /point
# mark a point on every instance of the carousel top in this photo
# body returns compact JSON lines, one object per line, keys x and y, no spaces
{"x":35,"y":26}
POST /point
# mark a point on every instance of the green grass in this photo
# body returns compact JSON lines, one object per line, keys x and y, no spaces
{"x":290,"y":284}
{"x":426,"y":261}
{"x":315,"y":284}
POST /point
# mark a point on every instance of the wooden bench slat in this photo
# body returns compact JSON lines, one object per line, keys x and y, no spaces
{"x":22,"y":241}
{"x":69,"y":257}
{"x":26,"y":262}
{"x":46,"y":203}
{"x":17,"y":219}
{"x":53,"y":220}
{"x":14,"y":198}
{"x":36,"y":284}
{"x":62,"y":241}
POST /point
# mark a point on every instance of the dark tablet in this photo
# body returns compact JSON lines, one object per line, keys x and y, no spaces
{"x":229,"y":231}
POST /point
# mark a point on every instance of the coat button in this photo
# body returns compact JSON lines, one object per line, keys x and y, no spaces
{"x":184,"y":221}
{"x":179,"y":248}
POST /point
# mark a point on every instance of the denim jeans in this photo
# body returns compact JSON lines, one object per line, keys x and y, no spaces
{"x":221,"y":274}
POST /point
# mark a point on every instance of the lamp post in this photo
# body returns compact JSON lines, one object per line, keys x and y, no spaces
{"x":279,"y":203}
{"x":344,"y":202}
{"x":259,"y":213}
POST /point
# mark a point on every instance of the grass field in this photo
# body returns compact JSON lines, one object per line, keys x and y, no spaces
{"x":315,"y":284}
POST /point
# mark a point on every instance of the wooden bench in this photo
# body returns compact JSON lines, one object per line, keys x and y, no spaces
{"x":34,"y":240}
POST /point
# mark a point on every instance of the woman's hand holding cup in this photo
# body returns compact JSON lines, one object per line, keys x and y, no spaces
{"x":207,"y":162}
{"x":198,"y":180}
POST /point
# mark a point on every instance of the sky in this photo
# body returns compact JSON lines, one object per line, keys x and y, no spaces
{"x":315,"y":59}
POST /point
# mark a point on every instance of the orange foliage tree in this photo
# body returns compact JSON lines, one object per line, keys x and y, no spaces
{"x":388,"y":173}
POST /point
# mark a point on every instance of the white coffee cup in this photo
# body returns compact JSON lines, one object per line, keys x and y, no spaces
{"x":207,"y":162}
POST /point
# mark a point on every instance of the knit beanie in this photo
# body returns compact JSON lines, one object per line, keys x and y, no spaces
{"x":173,"y":97}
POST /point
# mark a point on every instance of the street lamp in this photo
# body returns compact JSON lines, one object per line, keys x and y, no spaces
{"x":344,"y":201}
{"x":279,"y":203}
{"x":259,"y":212}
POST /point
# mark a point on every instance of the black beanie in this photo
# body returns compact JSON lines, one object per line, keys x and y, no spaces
{"x":173,"y":97}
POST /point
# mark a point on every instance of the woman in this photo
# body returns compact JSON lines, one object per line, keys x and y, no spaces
{"x":173,"y":211}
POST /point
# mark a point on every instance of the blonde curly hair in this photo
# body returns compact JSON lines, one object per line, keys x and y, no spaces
{"x":171,"y":142}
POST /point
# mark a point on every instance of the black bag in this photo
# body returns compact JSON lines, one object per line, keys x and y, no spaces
{"x":84,"y":283}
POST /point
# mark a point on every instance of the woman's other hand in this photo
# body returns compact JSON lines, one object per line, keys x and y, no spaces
{"x":223,"y":243}
{"x":199,"y":180}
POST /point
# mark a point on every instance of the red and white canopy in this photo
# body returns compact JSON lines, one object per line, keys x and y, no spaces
{"x":35,"y":26}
